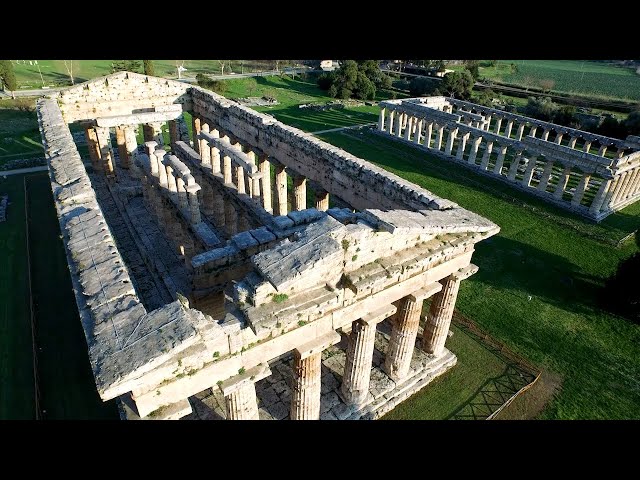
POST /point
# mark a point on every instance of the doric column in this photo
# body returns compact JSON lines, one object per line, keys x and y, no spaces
{"x":598,"y":200}
{"x":418,"y":133}
{"x":265,"y":182}
{"x":562,"y":183}
{"x":622,"y":183}
{"x":299,"y":192}
{"x":240,"y":393}
{"x":404,"y":331}
{"x":183,"y":201}
{"x":305,"y":391}
{"x":94,"y":148}
{"x":106,"y":151}
{"x":498,"y":126}
{"x":392,"y":115}
{"x":428,"y":134}
{"x":174,"y":134}
{"x":408,"y":128}
{"x":439,"y":135}
{"x":322,"y":200}
{"x":131,"y":145}
{"x":546,"y":175}
{"x":452,"y":136}
{"x":488,"y":124}
{"x":513,"y":169}
{"x":156,"y":132}
{"x":381,"y":119}
{"x":532,"y":132}
{"x":438,"y":320}
{"x":214,"y":154}
{"x":122,"y":147}
{"x":602,"y":150}
{"x":462,"y":146}
{"x":486,"y":156}
{"x":620,"y":152}
{"x":587,"y":146}
{"x":580,"y":189}
{"x":611,"y":192}
{"x":230,"y":218}
{"x":474,"y":150}
{"x":194,"y":206}
{"x":507,"y":132}
{"x":520,"y":131}
{"x":172,"y":186}
{"x":357,"y":369}
{"x":398,"y":125}
{"x":163,"y":180}
{"x":147,"y":132}
{"x":497,"y":168}
{"x":149,"y":149}
{"x":195,"y":131}
{"x":630,"y":179}
{"x":281,"y":188}
{"x":558,"y":139}
{"x":226,"y":170}
{"x":205,"y":151}
{"x":572,"y":142}
{"x":528,"y":173}
{"x":240,"y":179}
{"x":545,"y":134}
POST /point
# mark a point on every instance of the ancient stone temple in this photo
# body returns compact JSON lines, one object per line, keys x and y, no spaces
{"x":242,"y":268}
{"x":589,"y":174}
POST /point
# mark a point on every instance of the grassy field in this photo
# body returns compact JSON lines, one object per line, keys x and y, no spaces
{"x":538,"y":281}
{"x":569,"y":76}
{"x":16,"y":361}
{"x":67,"y":389}
{"x":19,"y":135}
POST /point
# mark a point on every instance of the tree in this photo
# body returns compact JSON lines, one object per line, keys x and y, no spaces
{"x":218,"y":86}
{"x":473,"y":66}
{"x":126,"y":66}
{"x":421,"y":86}
{"x":148,"y":67}
{"x":8,"y":77}
{"x":68,"y":65}
{"x":620,"y":293}
{"x":566,"y":115}
{"x":457,"y":84}
{"x":540,"y":108}
{"x":372,"y":71}
{"x":223,"y":64}
{"x":349,"y":81}
{"x":547,"y":84}
{"x":325,"y":80}
{"x":632,"y":123}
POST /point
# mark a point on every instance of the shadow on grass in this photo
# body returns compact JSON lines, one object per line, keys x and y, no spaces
{"x":303,"y":87}
{"x":313,"y":120}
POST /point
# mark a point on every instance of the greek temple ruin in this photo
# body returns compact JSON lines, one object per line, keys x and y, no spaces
{"x":226,"y":265}
{"x":585,"y":173}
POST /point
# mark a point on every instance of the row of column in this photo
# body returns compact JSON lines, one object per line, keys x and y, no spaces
{"x":307,"y":359}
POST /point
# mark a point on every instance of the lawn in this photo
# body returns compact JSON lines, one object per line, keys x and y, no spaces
{"x":590,"y":78}
{"x":538,"y":282}
{"x":19,"y":134}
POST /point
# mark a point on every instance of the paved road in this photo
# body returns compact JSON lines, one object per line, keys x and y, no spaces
{"x":18,"y":171}
{"x":45,"y":91}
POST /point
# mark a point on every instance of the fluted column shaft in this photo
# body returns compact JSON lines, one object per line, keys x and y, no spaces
{"x":299,"y":192}
{"x":528,"y":173}
{"x":452,"y":136}
{"x":546,"y":175}
{"x":497,"y":169}
{"x":265,"y":168}
{"x":281,"y":189}
{"x":381,"y":119}
{"x":562,"y":183}
{"x":520,"y":131}
{"x":357,"y":370}
{"x":322,"y":200}
{"x":305,"y":395}
{"x":439,"y":135}
{"x":403,"y":338}
{"x":226,"y":170}
{"x":598,"y":200}
{"x":195,"y":123}
{"x":205,"y":151}
{"x":474,"y":150}
{"x":106,"y":151}
{"x":242,"y":404}
{"x":439,"y":318}
{"x":513,"y":169}
{"x":94,"y":148}
{"x":486,"y":156}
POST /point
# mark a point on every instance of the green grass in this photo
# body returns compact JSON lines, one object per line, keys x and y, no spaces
{"x":538,"y":281}
{"x":19,"y":134}
{"x":451,"y":392}
{"x":16,"y":363}
{"x":570,"y":76}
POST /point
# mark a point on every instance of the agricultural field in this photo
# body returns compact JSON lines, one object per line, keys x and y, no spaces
{"x":577,"y":77}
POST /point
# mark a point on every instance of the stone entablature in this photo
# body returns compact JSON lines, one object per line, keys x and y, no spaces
{"x":577,"y":175}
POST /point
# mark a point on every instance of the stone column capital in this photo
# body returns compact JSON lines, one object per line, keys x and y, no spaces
{"x":317,"y":345}
{"x":252,"y":375}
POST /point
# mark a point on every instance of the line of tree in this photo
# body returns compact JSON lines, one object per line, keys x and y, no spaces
{"x":355,"y":79}
{"x":218,"y":86}
{"x":8,"y":77}
{"x":149,"y":68}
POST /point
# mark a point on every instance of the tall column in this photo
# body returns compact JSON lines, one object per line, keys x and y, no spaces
{"x":562,"y":183}
{"x":381,"y":119}
{"x":408,"y":128}
{"x":486,"y":156}
{"x":498,"y":126}
{"x":452,"y":137}
{"x":418,"y":133}
{"x":131,"y":145}
{"x":520,"y":131}
{"x":624,"y":193}
{"x":195,"y":122}
{"x":106,"y":151}
{"x":357,"y":369}
{"x":183,"y":202}
{"x":265,"y":182}
{"x":438,"y":320}
{"x":163,"y":180}
{"x":214,"y":154}
{"x":611,"y":193}
{"x":240,"y":393}
{"x":622,"y":184}
{"x":392,"y":115}
{"x":580,"y":189}
{"x":572,"y":142}
{"x":507,"y":132}
{"x":230,"y":218}
{"x":398,"y":125}
{"x":174,"y":134}
{"x":497,"y":168}
{"x":205,"y":151}
{"x":474,"y":150}
{"x":172,"y":186}
{"x":322,"y":200}
{"x":532,"y":132}
{"x":546,"y":175}
{"x":149,"y":149}
{"x":620,"y":152}
{"x":428,"y":134}
{"x":462,"y":146}
{"x":598,"y":200}
{"x":528,"y":173}
{"x":587,"y":146}
{"x":602,"y":150}
{"x":226,"y":170}
{"x":558,"y":139}
{"x":299,"y":192}
{"x":488,"y":124}
{"x":439,"y":135}
{"x":194,"y":206}
{"x":305,"y":392}
{"x":281,"y":188}
{"x":404,"y":331}
{"x":545,"y":134}
{"x":122,"y":147}
{"x":240,"y":179}
{"x":147,"y":133}
{"x":513,"y":169}
{"x":94,"y":148}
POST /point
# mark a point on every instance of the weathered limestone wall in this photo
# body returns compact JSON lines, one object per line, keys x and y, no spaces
{"x":577,"y":175}
{"x":123,"y":93}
